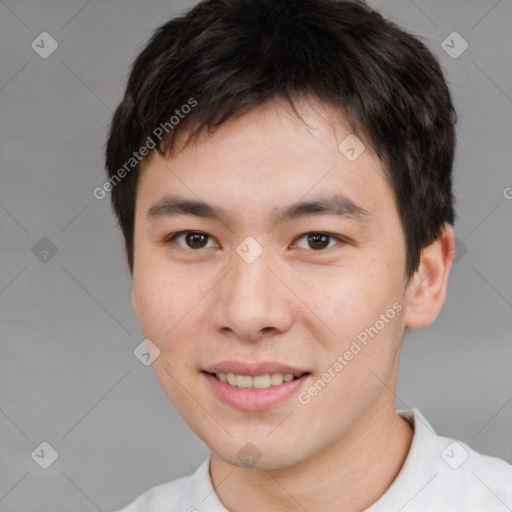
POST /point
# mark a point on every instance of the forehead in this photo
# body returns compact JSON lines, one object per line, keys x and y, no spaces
{"x":269,"y":158}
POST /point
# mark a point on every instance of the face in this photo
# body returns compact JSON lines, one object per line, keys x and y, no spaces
{"x":268,"y":253}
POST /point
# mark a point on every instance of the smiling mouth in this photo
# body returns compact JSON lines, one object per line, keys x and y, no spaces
{"x":257,"y":381}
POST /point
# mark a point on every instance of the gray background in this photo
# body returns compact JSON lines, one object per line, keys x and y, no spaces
{"x":68,"y":373}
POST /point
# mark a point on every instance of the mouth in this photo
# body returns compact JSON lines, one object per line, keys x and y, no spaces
{"x":255,"y":387}
{"x":264,"y":381}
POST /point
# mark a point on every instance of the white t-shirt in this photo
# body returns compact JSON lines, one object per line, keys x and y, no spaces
{"x":438,"y":475}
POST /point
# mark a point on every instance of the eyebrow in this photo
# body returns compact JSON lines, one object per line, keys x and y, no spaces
{"x":337,"y":205}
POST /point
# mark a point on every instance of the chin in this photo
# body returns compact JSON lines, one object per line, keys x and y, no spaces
{"x":260,"y":454}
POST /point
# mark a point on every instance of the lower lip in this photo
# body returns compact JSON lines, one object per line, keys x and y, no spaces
{"x":250,"y":399}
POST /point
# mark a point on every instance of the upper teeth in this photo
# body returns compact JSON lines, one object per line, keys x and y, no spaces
{"x":258,"y":381}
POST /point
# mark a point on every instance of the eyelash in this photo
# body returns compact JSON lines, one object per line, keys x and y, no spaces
{"x":341,"y":241}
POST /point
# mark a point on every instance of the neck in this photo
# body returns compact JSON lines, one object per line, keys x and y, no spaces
{"x":350,"y":474}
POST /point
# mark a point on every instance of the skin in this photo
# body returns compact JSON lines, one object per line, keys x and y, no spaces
{"x":294,"y":304}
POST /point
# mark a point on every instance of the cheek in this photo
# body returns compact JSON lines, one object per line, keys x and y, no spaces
{"x":169,"y":303}
{"x":159,"y":300}
{"x":348,"y":306}
{"x":342,"y":299}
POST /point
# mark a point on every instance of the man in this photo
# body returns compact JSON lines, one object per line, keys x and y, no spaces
{"x":281,"y":172}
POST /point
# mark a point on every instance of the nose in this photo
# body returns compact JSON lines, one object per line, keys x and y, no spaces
{"x":252,"y":302}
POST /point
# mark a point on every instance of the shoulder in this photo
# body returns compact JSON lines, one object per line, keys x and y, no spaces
{"x":186,"y":494}
{"x":450,"y":475}
{"x":168,"y":496}
{"x":484,"y":482}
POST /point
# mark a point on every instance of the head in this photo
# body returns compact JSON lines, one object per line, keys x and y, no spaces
{"x":286,"y":198}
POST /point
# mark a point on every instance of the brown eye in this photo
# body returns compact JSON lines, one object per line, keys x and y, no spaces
{"x":193,"y":239}
{"x":196,"y":240}
{"x":318,"y":241}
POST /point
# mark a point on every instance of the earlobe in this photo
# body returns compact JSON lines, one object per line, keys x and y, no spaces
{"x":427,"y":291}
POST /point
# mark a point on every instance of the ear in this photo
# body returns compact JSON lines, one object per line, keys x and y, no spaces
{"x":427,"y":290}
